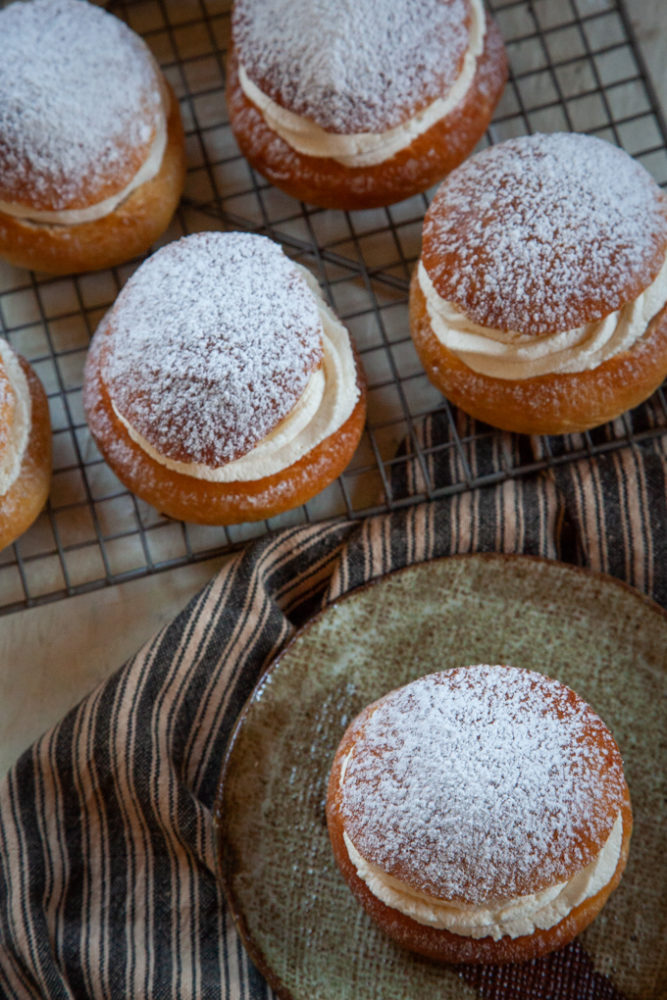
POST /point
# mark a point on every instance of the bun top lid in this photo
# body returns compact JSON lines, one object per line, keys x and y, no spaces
{"x":480,"y":784}
{"x":210,"y":345}
{"x":544,"y":233}
{"x":352,"y":65}
{"x":80,"y":104}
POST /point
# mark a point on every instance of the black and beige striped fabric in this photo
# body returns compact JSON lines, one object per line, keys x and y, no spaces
{"x":107,"y":859}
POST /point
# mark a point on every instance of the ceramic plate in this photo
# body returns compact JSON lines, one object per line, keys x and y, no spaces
{"x":297,"y":918}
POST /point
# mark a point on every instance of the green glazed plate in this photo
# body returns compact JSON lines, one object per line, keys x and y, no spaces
{"x":296,"y":916}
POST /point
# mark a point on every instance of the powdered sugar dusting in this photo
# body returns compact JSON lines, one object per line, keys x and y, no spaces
{"x":355,"y":65}
{"x":544,"y":233}
{"x":210,"y":345}
{"x":78,"y":89}
{"x":6,"y":410}
{"x":476,"y":783}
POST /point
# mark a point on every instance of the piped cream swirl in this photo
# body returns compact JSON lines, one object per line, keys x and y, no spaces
{"x":365,"y":149}
{"x":19,"y":430}
{"x":326,"y":403}
{"x":76,"y":216}
{"x":511,"y":355}
{"x":513,"y":917}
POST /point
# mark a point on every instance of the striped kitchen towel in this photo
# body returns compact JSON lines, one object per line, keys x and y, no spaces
{"x":107,"y":854}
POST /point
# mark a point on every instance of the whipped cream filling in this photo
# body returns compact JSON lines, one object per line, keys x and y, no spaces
{"x":19,"y":429}
{"x":511,"y":917}
{"x":511,"y":355}
{"x":75,"y":216}
{"x":326,"y":403}
{"x":364,"y":149}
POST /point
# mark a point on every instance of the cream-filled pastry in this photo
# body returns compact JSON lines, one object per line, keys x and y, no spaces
{"x":92,"y":160}
{"x":480,"y":814}
{"x":25,"y":445}
{"x":539,"y":304}
{"x":353,"y":105}
{"x":220,"y":387}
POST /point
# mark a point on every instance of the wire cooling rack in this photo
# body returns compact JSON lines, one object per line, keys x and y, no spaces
{"x":574,"y":66}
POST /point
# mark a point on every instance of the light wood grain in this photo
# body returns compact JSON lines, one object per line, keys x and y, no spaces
{"x":51,"y":656}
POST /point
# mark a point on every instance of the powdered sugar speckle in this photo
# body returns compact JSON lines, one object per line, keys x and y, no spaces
{"x":480,"y":781}
{"x":352,"y":65}
{"x":210,"y":345}
{"x":544,"y":233}
{"x":78,"y":89}
{"x":6,"y":409}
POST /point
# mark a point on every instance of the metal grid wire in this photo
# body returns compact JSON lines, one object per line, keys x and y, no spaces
{"x":574,"y":66}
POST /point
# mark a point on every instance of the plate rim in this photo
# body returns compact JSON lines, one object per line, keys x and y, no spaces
{"x":252,"y":948}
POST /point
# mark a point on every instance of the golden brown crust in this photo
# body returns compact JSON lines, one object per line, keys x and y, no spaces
{"x":45,"y":198}
{"x":92,"y":89}
{"x":210,"y":346}
{"x":546,"y":404}
{"x":563,"y":851}
{"x":398,"y":802}
{"x":324,"y":181}
{"x":23,"y":501}
{"x":125,"y":233}
{"x":204,"y":502}
{"x":444,"y":946}
{"x":273,"y":60}
{"x":537,"y":234}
